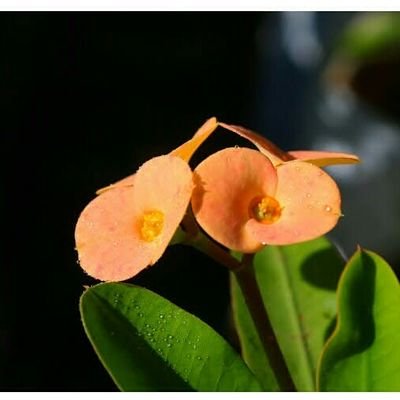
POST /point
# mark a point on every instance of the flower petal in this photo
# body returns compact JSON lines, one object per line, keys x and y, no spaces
{"x":324,"y":158}
{"x":269,"y":149}
{"x":226,"y":183}
{"x":108,"y":236}
{"x":186,"y":150}
{"x":310,"y":202}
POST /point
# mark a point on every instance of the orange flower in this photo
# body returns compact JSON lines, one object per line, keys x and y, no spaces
{"x":130,"y":224}
{"x":244,"y":202}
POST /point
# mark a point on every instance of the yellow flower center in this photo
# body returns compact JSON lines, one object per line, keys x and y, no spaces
{"x":152,"y":225}
{"x":265,"y":209}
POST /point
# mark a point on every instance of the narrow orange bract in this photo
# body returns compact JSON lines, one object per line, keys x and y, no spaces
{"x":184,"y":151}
{"x":187,"y":149}
{"x":278,"y":156}
{"x":124,"y":230}
{"x":324,"y":158}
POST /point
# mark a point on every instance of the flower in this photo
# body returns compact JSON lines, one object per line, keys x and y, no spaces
{"x":244,"y":202}
{"x":129,"y":225}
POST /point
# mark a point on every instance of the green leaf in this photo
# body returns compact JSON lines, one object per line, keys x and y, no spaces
{"x":297,"y":283}
{"x":363,"y":353}
{"x":148,"y":344}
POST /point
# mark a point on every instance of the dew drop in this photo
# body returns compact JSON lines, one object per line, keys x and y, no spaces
{"x":194,"y":347}
{"x":147,"y":326}
{"x":169,"y":344}
{"x":161,"y":316}
{"x":308,"y":195}
{"x":328,"y":208}
{"x":188,"y":356}
{"x":137,"y":307}
{"x":140,"y":314}
{"x":170,"y":337}
{"x":199,"y":358}
{"x":264,"y":243}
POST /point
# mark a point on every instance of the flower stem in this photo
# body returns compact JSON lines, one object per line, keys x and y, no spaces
{"x":245,"y":275}
{"x":213,"y":250}
{"x":248,"y":284}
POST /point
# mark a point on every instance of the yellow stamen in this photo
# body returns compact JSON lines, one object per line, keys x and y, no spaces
{"x":265,"y":209}
{"x":152,"y":225}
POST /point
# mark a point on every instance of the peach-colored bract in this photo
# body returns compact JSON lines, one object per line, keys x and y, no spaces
{"x":126,"y":229}
{"x":305,"y":199}
{"x":278,"y":156}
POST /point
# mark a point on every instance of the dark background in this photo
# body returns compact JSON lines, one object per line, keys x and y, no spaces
{"x":86,"y":98}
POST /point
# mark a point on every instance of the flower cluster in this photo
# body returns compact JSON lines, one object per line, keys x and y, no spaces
{"x":243,"y":198}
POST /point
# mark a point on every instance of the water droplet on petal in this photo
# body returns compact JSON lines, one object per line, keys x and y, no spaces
{"x":328,"y":208}
{"x":308,"y":195}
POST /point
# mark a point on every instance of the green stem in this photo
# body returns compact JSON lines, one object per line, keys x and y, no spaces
{"x":251,"y":292}
{"x":213,"y":250}
{"x":245,"y":275}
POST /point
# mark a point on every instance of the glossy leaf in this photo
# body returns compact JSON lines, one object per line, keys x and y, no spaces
{"x":298,"y":285}
{"x":363,"y":353}
{"x":148,"y":344}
